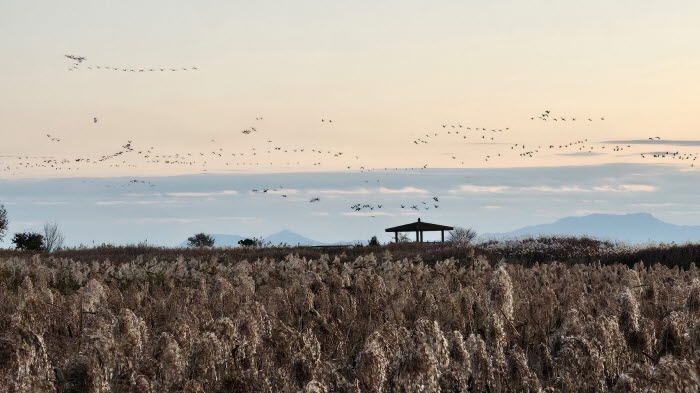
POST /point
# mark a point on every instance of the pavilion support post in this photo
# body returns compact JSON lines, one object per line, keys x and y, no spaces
{"x":396,"y":237}
{"x":417,"y":237}
{"x":442,"y":234}
{"x":421,"y":236}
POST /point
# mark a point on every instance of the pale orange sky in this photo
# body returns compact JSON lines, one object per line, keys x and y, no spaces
{"x":385,"y":73}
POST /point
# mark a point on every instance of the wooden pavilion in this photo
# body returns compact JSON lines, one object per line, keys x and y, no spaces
{"x":419,"y":227}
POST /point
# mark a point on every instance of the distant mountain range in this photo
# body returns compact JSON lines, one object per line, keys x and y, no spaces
{"x":279,"y":238}
{"x":631,"y":228}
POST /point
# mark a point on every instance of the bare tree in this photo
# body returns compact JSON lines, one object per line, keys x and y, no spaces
{"x":3,"y":221}
{"x":53,"y":238}
{"x":404,"y":238}
{"x":462,"y":235}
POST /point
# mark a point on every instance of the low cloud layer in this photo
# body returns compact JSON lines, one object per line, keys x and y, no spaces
{"x":403,"y":190}
{"x":202,"y":194}
{"x":545,"y":189}
{"x":676,"y":142}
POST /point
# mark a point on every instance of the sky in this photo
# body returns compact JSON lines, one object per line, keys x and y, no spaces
{"x":398,"y":79}
{"x":166,"y":210}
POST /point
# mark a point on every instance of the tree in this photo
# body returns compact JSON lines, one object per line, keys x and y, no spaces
{"x":462,"y":235}
{"x":373,"y":241}
{"x":53,"y":238}
{"x":200,"y":240}
{"x":404,"y":238}
{"x":29,"y":241}
{"x":254,"y":242}
{"x":3,"y":221}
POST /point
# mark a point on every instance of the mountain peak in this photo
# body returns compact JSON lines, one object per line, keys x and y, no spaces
{"x":288,"y":237}
{"x":639,"y":227}
{"x":612,"y":217}
{"x":285,"y":232}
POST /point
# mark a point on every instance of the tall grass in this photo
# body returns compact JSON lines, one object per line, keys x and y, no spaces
{"x":366,"y":322}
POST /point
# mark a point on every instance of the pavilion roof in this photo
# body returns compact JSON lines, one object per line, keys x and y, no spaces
{"x":419,"y":226}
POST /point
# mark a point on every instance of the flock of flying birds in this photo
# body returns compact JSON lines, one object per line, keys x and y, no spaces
{"x":547,"y":116}
{"x":359,"y":207}
{"x":131,"y":155}
{"x":78,"y":61}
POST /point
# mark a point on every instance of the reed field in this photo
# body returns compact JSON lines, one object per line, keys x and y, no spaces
{"x":535,"y":315}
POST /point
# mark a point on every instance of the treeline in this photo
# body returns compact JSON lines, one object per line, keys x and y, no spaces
{"x":526,"y":252}
{"x":49,"y":239}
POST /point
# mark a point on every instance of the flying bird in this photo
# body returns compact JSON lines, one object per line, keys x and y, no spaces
{"x":79,"y":59}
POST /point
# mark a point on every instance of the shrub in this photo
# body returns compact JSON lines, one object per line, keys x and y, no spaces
{"x":200,"y":240}
{"x":29,"y":241}
{"x":373,"y":241}
{"x":254,"y":242}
